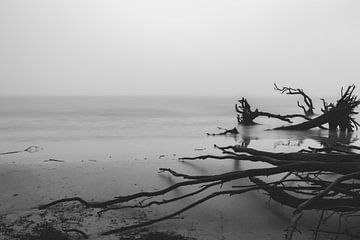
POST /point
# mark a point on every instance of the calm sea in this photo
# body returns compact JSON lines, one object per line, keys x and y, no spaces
{"x":70,"y":118}
{"x":43,"y":119}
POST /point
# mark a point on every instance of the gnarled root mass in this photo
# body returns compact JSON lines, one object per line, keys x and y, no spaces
{"x":338,"y":116}
{"x":300,"y":183}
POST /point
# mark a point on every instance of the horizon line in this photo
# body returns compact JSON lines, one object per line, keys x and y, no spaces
{"x":163,"y":95}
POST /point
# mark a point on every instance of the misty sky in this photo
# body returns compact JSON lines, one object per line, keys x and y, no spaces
{"x":187,"y":47}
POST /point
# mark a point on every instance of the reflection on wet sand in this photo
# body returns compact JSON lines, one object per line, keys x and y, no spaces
{"x":295,"y":138}
{"x":201,"y":170}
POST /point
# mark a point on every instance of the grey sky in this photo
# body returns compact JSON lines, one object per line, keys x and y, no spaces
{"x":88,"y":47}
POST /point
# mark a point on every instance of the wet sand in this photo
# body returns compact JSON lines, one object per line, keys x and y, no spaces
{"x":101,"y":170}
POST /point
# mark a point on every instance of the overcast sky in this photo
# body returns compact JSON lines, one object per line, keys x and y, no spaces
{"x":186,"y":47}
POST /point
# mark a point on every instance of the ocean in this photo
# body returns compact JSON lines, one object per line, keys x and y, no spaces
{"x":42,"y":119}
{"x":77,"y":118}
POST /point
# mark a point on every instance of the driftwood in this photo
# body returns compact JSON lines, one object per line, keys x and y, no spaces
{"x":53,"y":160}
{"x":31,"y":149}
{"x":225,"y":132}
{"x":338,"y":116}
{"x":309,"y":111}
{"x":301,"y":184}
{"x":246,"y":116}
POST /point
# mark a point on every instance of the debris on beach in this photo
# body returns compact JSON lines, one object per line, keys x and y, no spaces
{"x":199,"y":149}
{"x":31,"y":149}
{"x":53,"y":160}
{"x":225,"y":131}
{"x":72,"y":221}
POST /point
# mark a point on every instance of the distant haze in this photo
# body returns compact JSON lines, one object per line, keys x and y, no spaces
{"x":188,"y":47}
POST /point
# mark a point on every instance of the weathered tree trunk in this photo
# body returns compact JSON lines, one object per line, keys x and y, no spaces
{"x":316,"y":122}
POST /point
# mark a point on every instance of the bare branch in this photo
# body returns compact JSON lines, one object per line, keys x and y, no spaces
{"x":298,"y":91}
